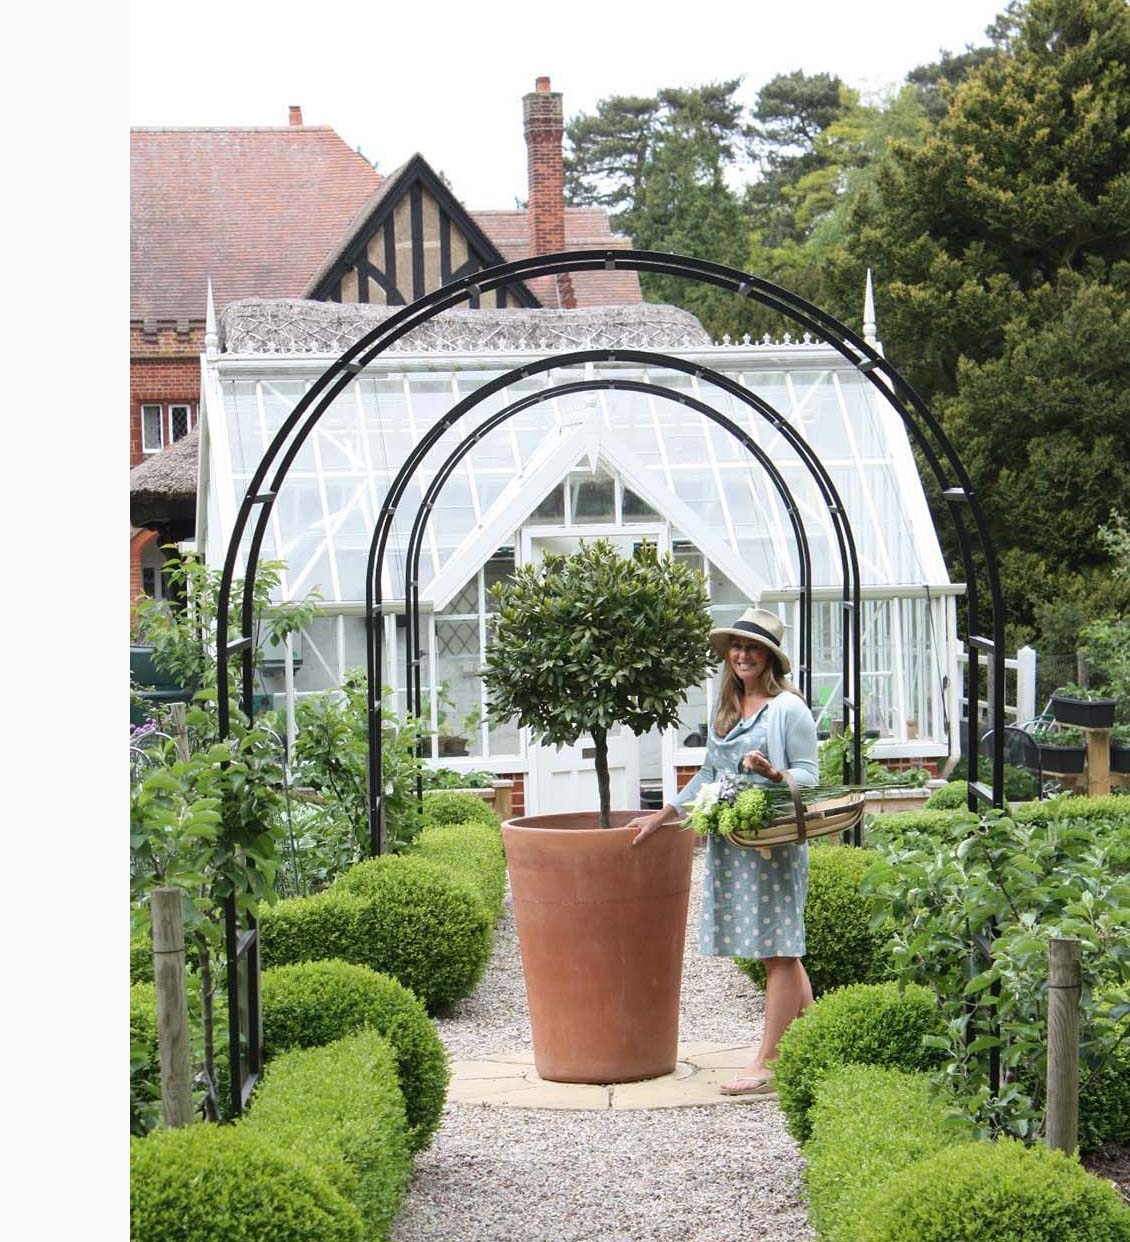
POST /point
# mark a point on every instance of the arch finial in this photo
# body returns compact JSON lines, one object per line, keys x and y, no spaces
{"x":869,"y":334}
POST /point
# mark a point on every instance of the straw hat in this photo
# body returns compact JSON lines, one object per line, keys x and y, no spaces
{"x":764,"y":628}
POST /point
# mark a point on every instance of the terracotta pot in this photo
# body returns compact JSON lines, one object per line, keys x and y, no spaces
{"x":601,"y":926}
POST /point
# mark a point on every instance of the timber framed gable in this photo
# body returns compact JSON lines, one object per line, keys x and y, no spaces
{"x":413,"y":236}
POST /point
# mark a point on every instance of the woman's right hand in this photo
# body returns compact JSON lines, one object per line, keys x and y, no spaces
{"x":646,"y":824}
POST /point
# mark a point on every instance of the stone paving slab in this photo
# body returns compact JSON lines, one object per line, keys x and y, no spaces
{"x":509,"y":1080}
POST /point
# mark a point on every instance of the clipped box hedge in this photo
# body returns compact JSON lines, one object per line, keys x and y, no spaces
{"x":868,"y":1121}
{"x":309,"y":1004}
{"x":400,"y":915}
{"x":206,"y":1182}
{"x":992,"y":1192}
{"x":341,"y":1105}
{"x":865,"y":1024}
{"x":841,"y":947}
{"x":473,"y":850}
{"x":446,"y":807}
{"x":144,"y":1059}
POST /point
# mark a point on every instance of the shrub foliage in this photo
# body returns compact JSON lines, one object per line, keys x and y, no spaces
{"x":865,"y":1024}
{"x":342,"y":1105}
{"x":309,"y":1004}
{"x":842,"y":946}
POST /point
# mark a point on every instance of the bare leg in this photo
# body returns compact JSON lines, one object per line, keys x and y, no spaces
{"x":788,"y":993}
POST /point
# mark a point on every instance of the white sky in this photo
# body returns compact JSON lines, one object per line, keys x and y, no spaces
{"x":446,"y":79}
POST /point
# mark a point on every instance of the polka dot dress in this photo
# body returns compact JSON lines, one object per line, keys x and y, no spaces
{"x":752,"y":906}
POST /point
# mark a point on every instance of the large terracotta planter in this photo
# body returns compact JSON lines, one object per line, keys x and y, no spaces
{"x":601,"y":926}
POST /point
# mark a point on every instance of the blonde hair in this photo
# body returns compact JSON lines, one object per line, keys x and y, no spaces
{"x":731,"y":693}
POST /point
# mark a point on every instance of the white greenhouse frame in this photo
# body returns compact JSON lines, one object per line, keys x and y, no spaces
{"x":709,"y":498}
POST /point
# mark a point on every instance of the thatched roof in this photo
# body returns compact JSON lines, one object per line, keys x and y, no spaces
{"x":291,"y":326}
{"x":162,"y":489}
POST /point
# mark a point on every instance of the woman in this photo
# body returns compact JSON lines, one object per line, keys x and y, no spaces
{"x":753,"y":906}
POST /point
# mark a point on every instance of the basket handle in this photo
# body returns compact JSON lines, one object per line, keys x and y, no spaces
{"x":798,"y":805}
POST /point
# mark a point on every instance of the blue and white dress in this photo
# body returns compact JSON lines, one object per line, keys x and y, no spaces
{"x":753,"y":906}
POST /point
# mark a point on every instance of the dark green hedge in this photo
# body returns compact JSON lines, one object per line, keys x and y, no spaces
{"x":341,"y":1105}
{"x":206,"y":1182}
{"x":868,"y":1121}
{"x":309,"y":1004}
{"x":841,"y":946}
{"x":992,"y":1192}
{"x":472,"y":850}
{"x":141,"y":959}
{"x":865,"y":1024}
{"x":445,"y":807}
{"x":144,"y":1063}
{"x":400,"y":915}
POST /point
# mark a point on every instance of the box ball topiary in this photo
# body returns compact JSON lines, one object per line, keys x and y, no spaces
{"x":434,"y":930}
{"x":446,"y":807}
{"x":309,"y":1004}
{"x":205,"y":1182}
{"x":864,"y":1024}
{"x":993,"y":1192}
{"x":868,"y":1121}
{"x":474,"y":851}
{"x":341,"y":1104}
{"x":401,"y":915}
{"x":841,"y":946}
{"x":952,"y":796}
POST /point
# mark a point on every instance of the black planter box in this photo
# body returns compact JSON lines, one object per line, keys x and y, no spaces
{"x":1085,"y":713}
{"x":1063,"y":759}
{"x":1120,"y":758}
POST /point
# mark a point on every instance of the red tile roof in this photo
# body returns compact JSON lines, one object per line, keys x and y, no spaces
{"x":259,"y":210}
{"x":255,"y":210}
{"x":586,"y":228}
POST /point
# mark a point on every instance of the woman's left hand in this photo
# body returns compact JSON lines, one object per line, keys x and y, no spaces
{"x":757,"y":761}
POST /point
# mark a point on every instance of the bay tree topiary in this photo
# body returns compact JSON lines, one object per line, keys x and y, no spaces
{"x":585,"y":642}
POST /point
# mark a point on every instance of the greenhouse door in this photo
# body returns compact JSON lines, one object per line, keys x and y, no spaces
{"x":563,"y":778}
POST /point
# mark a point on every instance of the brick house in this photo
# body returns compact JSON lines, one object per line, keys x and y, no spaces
{"x":293,"y":212}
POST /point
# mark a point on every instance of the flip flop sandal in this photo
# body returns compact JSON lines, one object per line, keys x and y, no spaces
{"x":749,"y":1086}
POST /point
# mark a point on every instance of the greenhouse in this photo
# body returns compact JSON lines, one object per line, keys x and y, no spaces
{"x":633,"y":463}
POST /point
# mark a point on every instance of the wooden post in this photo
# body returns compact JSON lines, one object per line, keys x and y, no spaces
{"x":177,"y":713}
{"x":1098,"y":762}
{"x":172,"y":1006}
{"x":1065,"y":980}
{"x":503,"y":799}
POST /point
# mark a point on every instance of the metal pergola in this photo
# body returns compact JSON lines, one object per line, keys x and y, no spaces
{"x":935,"y":446}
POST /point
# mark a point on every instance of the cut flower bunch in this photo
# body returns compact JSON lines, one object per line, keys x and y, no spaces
{"x":735,"y":803}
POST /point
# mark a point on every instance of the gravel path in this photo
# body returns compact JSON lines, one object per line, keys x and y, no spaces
{"x":720,"y":1174}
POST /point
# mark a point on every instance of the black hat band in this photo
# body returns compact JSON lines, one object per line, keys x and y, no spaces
{"x":748,"y":627}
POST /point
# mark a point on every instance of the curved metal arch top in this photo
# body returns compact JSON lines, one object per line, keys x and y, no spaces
{"x":836,"y":511}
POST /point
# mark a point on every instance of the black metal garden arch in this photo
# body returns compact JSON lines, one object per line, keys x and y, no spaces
{"x":937,"y":450}
{"x":836,"y":510}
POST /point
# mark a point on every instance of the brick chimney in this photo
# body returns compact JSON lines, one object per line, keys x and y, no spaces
{"x":295,"y":114}
{"x":544,"y":127}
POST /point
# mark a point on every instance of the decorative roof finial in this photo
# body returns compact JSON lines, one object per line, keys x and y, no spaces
{"x":869,"y":334}
{"x":211,"y":336}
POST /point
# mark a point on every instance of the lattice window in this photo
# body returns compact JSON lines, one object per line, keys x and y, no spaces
{"x":457,"y":638}
{"x":152,"y":438}
{"x":180,"y":421}
{"x":467,"y":601}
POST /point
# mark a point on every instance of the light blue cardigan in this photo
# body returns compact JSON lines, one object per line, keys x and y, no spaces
{"x":790,"y":743}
